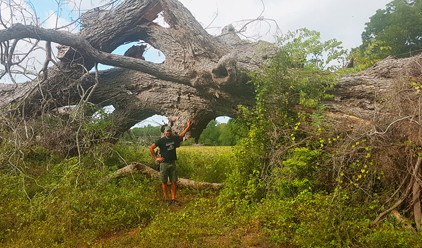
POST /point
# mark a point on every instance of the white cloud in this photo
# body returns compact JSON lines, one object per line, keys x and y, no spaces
{"x":84,"y":5}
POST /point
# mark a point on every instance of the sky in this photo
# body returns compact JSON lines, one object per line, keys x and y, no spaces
{"x":343,"y":20}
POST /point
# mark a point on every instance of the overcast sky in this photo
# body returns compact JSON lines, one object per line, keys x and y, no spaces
{"x":343,"y":20}
{"x":334,"y":19}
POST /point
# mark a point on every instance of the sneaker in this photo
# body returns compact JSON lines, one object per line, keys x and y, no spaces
{"x":175,"y":202}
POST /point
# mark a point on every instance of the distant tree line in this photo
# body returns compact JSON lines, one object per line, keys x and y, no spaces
{"x":216,"y":134}
{"x":220,"y":134}
{"x":142,"y":135}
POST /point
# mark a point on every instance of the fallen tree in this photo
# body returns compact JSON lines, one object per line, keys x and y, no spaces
{"x":135,"y":167}
{"x":202,"y":77}
{"x":385,"y":103}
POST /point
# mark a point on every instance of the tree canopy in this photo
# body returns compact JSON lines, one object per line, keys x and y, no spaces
{"x":396,"y":30}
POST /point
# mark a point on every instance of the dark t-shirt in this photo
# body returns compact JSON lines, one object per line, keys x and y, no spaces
{"x":168,"y":147}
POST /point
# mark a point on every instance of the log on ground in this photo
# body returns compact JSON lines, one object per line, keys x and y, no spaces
{"x":146,"y":170}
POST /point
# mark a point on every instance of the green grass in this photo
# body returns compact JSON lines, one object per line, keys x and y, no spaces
{"x":206,"y":164}
{"x":205,"y":150}
{"x":56,"y":202}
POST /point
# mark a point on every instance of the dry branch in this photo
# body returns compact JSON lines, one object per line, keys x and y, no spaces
{"x":404,"y":221}
{"x":416,"y":196}
{"x":135,"y":167}
{"x":410,"y":186}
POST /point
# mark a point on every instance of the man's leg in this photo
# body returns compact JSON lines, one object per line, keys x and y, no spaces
{"x":164,"y":185}
{"x":164,"y":174}
{"x":173,"y":190}
{"x":173,"y":179}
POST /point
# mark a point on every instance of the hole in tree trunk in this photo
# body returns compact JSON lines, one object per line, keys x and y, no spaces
{"x":220,"y":72}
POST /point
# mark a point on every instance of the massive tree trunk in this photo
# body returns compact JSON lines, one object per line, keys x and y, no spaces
{"x":383,"y":105}
{"x":203,"y":76}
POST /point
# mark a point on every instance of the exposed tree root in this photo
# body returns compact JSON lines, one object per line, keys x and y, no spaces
{"x":409,"y":187}
{"x":138,"y":167}
{"x":404,"y":221}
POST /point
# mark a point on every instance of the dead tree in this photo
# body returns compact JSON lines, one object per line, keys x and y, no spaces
{"x":385,"y":102}
{"x":135,"y":167}
{"x":203,"y":76}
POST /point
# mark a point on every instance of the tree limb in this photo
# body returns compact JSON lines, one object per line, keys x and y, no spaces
{"x":138,"y":167}
{"x":409,"y":187}
{"x":20,"y":31}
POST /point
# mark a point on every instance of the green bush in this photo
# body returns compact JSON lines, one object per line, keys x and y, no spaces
{"x":394,"y":236}
{"x":296,"y":174}
{"x":54,"y":201}
{"x":313,"y":220}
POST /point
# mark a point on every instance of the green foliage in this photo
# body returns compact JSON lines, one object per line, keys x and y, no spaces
{"x":394,"y":30}
{"x":280,"y":86}
{"x":206,"y":164}
{"x":375,"y":51}
{"x":53,"y":200}
{"x":296,"y":174}
{"x":142,"y":135}
{"x":221,"y":134}
{"x":315,"y":220}
{"x":210,"y":134}
{"x":60,"y":202}
{"x":215,"y":134}
{"x":273,"y":122}
{"x":305,"y":49}
{"x":392,"y":234}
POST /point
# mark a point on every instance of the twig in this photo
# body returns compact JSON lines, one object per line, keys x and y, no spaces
{"x":376,"y":132}
{"x":410,"y":186}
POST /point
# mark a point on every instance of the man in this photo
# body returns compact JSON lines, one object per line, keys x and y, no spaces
{"x":168,"y":145}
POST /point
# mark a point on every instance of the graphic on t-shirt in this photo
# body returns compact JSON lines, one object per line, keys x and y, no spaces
{"x":170,"y":146}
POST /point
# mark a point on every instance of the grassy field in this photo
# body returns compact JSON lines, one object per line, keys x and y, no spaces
{"x":59,"y":202}
{"x":205,"y":149}
{"x":205,"y":163}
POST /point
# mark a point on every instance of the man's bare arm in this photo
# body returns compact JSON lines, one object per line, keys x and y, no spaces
{"x":182,"y":134}
{"x":151,"y":149}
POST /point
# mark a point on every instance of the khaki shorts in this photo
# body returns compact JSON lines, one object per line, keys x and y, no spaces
{"x":168,"y":172}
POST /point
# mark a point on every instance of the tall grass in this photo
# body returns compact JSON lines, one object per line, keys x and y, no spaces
{"x":207,"y":164}
{"x":54,"y":201}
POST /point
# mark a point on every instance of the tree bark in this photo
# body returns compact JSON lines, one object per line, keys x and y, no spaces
{"x":416,"y":196}
{"x":138,"y":167}
{"x":203,"y":76}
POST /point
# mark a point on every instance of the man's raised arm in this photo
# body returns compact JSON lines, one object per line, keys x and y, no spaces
{"x":182,"y":134}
